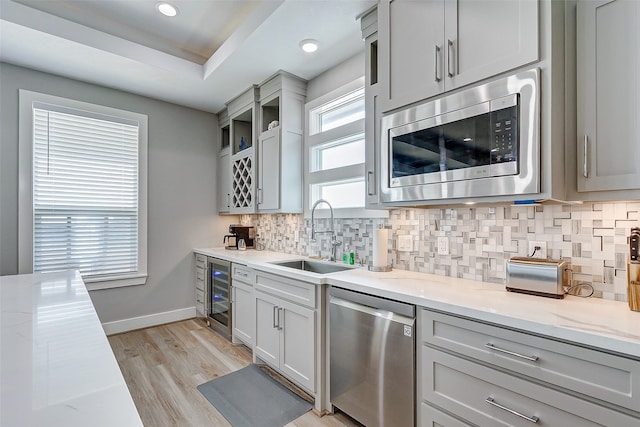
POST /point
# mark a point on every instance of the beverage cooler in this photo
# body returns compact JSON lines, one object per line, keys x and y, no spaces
{"x":219,"y":290}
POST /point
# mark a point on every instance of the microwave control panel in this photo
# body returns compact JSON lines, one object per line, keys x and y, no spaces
{"x":504,"y":141}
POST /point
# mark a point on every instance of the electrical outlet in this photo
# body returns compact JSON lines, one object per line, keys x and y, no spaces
{"x":296,"y":235}
{"x":405,"y":243}
{"x":537,"y":249}
{"x":443,"y":245}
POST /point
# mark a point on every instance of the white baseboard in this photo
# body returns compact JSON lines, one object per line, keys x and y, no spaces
{"x":133,"y":323}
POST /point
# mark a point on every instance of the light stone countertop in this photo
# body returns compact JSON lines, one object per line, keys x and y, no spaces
{"x":592,"y":322}
{"x":58,"y":369}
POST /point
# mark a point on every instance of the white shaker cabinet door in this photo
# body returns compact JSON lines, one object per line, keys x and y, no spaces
{"x":486,"y":38}
{"x":297,"y":348}
{"x":244,"y":313}
{"x":269,"y":170}
{"x":608,"y":115}
{"x":411,"y":50}
{"x":224,"y":181}
{"x":267,"y":341}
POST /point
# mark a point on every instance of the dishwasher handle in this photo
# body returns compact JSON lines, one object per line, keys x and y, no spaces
{"x":375,"y":302}
{"x":385,"y":314}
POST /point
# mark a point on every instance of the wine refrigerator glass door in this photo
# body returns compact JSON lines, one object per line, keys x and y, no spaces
{"x":219,"y":296}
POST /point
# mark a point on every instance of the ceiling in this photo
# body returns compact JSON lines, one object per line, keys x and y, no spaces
{"x":209,"y":53}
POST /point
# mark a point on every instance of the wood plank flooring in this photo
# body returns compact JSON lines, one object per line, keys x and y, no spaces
{"x":163,"y":365}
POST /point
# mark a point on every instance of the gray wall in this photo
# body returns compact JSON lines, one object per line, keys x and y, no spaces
{"x":182,"y":182}
{"x":336,"y":77}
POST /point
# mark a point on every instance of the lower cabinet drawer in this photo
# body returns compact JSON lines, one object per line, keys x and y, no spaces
{"x":242,"y":273}
{"x":487,"y":397}
{"x":289,"y":289}
{"x":200,"y":303}
{"x":432,"y":417}
{"x":610,"y":378}
{"x":201,"y":260}
{"x":200,"y":278}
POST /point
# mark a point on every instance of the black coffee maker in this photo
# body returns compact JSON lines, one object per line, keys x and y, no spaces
{"x":238,"y":233}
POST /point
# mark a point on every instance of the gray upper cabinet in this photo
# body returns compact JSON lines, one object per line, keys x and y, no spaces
{"x":369,"y":27}
{"x":431,"y":46}
{"x":608,"y":98}
{"x":261,"y":148}
{"x":280,"y":143}
{"x":244,"y":128}
{"x":224,"y":164}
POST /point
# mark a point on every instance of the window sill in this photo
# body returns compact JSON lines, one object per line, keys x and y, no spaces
{"x":98,"y":283}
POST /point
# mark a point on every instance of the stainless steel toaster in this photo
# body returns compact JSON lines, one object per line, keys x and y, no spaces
{"x":544,"y":277}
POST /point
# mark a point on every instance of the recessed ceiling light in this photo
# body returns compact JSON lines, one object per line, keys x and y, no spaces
{"x":167,"y":9}
{"x":309,"y":45}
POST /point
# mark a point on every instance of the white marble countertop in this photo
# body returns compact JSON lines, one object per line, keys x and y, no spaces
{"x":57,"y":368}
{"x":608,"y":325}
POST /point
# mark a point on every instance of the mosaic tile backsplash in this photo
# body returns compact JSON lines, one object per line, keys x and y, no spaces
{"x":593,"y":237}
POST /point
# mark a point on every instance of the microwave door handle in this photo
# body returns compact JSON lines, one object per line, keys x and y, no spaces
{"x":435,"y":61}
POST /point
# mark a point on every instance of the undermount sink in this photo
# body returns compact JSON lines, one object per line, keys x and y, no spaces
{"x":313,"y":266}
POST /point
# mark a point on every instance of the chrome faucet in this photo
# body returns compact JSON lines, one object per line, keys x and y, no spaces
{"x":334,"y":242}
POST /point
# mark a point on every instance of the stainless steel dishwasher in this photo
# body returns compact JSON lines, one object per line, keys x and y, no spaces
{"x":372,"y":358}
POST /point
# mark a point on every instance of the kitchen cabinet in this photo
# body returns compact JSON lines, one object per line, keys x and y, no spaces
{"x":243,"y":299}
{"x":280,"y":174}
{"x":285,"y":335}
{"x":224,"y":181}
{"x":431,"y":46}
{"x":224,"y":164}
{"x":608,"y":97}
{"x":243,"y":129}
{"x":490,"y":375}
{"x":369,"y":27}
{"x":261,"y":158}
{"x":200,"y":285}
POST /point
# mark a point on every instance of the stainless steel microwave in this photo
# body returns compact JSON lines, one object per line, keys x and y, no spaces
{"x":479,"y":142}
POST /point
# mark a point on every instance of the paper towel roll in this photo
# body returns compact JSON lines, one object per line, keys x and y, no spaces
{"x":380,"y":242}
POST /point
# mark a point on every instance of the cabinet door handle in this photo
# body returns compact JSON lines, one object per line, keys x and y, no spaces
{"x":259,"y":196}
{"x":585,"y":165}
{"x":275,"y":309}
{"x":501,"y":350}
{"x":491,"y":401}
{"x":449,"y":56}
{"x":228,"y":200}
{"x":280,"y":309}
{"x":435,"y":61}
{"x":369,"y":183}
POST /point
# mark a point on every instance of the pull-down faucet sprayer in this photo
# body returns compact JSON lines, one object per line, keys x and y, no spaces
{"x":334,"y":242}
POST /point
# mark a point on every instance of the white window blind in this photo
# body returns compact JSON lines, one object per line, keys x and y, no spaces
{"x":85,"y":192}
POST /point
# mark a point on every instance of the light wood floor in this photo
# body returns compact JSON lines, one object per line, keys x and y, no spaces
{"x":163,"y":366}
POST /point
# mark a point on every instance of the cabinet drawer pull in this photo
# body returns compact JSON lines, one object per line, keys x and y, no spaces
{"x":490,"y":401}
{"x":449,"y":56}
{"x":435,"y":61}
{"x":501,"y":350}
{"x":585,"y":166}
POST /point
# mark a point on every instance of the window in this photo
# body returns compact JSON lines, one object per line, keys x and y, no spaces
{"x":85,"y":207}
{"x":343,"y":110}
{"x":336,"y":150}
